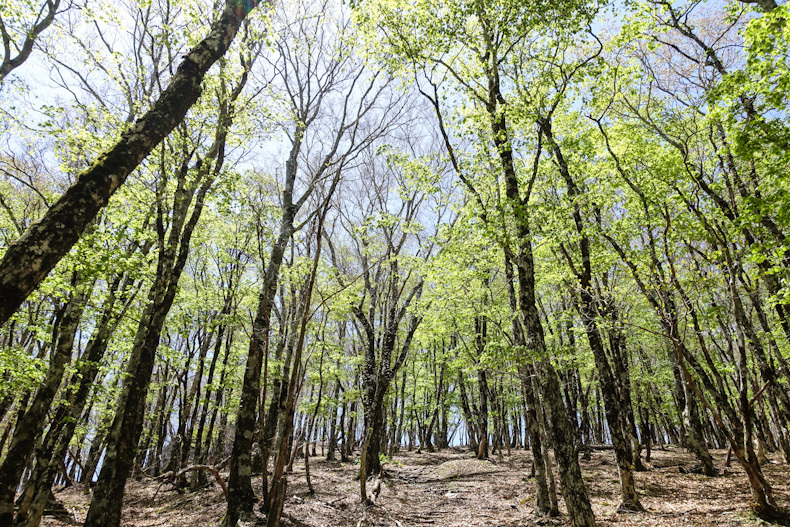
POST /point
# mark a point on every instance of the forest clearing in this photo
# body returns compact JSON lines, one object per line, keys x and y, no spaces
{"x":503,"y":262}
{"x":454,"y":489}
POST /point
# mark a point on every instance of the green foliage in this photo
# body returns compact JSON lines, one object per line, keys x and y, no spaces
{"x":680,"y":164}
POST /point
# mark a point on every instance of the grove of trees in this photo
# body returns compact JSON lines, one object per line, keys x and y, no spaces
{"x":232,"y":231}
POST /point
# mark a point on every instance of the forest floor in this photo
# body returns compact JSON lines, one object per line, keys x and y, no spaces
{"x":450,"y":489}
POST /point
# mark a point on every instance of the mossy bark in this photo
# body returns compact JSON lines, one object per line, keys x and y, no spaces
{"x":30,"y":258}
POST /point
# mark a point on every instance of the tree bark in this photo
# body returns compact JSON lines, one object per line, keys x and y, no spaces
{"x":30,"y":258}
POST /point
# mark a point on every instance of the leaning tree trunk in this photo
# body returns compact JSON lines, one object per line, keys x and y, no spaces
{"x":544,"y":502}
{"x":30,"y":258}
{"x":241,"y":497}
{"x":573,"y":488}
{"x":285,"y":415}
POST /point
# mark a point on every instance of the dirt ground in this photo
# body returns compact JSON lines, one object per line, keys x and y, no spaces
{"x":450,"y":489}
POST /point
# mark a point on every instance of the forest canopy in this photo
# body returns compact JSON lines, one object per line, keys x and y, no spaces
{"x":231,"y":232}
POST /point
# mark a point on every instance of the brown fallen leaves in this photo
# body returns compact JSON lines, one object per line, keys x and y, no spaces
{"x":450,"y":489}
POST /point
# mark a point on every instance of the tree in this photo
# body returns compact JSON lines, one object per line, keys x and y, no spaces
{"x":28,"y":260}
{"x":389,"y":290}
{"x":487,"y":35}
{"x":315,"y":69}
{"x":193,"y":183}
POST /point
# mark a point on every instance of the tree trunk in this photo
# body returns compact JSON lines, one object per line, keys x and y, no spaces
{"x":30,"y":258}
{"x":124,"y":435}
{"x":241,"y":497}
{"x":67,"y":417}
{"x":30,"y":424}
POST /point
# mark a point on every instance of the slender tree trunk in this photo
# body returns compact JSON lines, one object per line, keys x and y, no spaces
{"x":286,"y":414}
{"x":30,"y":424}
{"x":587,"y":307}
{"x":124,"y":435}
{"x":67,"y":417}
{"x":482,"y":385}
{"x":241,"y":497}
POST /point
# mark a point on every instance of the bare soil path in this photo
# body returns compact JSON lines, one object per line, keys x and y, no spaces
{"x":450,"y":489}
